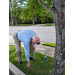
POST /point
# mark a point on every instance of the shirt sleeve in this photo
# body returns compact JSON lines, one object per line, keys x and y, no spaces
{"x":26,"y":48}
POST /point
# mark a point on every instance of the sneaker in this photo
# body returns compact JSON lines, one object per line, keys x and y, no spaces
{"x":32,"y":59}
{"x":19,"y":63}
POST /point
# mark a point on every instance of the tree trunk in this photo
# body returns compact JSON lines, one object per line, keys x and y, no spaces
{"x":15,"y":19}
{"x":58,"y":9}
{"x":47,"y":18}
{"x":59,"y":57}
{"x":33,"y":20}
{"x":59,"y":20}
{"x":10,"y":6}
{"x":16,"y":22}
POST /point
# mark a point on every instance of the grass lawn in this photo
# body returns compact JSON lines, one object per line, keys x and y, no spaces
{"x":51,"y":24}
{"x":37,"y":67}
{"x":22,"y":25}
{"x":49,"y":44}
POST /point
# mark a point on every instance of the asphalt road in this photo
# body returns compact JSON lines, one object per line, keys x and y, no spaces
{"x":46,"y":34}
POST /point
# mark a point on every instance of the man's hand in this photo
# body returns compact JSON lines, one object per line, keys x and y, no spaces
{"x":28,"y":65}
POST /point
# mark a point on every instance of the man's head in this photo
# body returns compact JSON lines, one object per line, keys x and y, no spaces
{"x":35,"y":39}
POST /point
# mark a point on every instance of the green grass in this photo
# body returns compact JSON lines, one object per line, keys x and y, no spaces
{"x":22,"y":25}
{"x":51,"y":24}
{"x":37,"y":67}
{"x":49,"y":44}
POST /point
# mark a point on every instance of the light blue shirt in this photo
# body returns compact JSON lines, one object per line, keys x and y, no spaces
{"x":25,"y":36}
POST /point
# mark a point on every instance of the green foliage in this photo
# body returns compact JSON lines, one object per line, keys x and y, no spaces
{"x":34,"y":7}
{"x":49,"y":44}
{"x":37,"y":21}
{"x":28,"y":21}
{"x":24,"y":13}
{"x":47,"y":2}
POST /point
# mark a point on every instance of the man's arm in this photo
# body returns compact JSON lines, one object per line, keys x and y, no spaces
{"x":26,"y":48}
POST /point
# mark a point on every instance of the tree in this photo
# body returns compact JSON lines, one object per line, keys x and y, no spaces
{"x":9,"y":16}
{"x":45,"y":15}
{"x":14,"y":11}
{"x":58,"y":10}
{"x":17,"y":10}
{"x":29,"y":11}
{"x":34,"y":8}
{"x":10,"y":11}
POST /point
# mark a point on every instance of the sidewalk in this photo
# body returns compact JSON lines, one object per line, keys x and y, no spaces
{"x":49,"y":51}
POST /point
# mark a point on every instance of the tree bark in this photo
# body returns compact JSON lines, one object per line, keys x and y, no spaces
{"x":58,"y":8}
{"x":59,"y":56}
{"x":10,"y":6}
{"x":44,"y":5}
{"x":47,"y":18}
{"x":33,"y":20}
{"x":16,"y":20}
{"x":15,"y":15}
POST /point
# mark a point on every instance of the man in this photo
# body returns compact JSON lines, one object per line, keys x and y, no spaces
{"x":29,"y":39}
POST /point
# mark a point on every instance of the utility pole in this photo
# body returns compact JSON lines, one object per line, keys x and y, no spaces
{"x":11,"y":6}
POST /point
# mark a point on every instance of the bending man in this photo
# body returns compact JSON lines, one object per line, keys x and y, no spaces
{"x":29,"y":38}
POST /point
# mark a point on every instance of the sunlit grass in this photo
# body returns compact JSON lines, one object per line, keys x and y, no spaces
{"x":37,"y":67}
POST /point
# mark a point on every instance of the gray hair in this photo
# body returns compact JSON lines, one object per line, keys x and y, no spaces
{"x":34,"y":38}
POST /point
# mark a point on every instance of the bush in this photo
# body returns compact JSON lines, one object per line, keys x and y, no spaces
{"x":19,"y":21}
{"x":38,"y":22}
{"x":27,"y":21}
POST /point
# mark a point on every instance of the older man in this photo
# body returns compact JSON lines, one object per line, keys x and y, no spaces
{"x":29,"y":39}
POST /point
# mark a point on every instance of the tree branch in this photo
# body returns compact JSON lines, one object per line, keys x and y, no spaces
{"x":44,"y":5}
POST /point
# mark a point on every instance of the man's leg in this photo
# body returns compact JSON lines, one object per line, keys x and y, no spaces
{"x":31,"y":52}
{"x":18,"y":47}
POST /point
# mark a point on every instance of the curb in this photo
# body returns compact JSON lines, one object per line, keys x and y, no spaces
{"x":13,"y":70}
